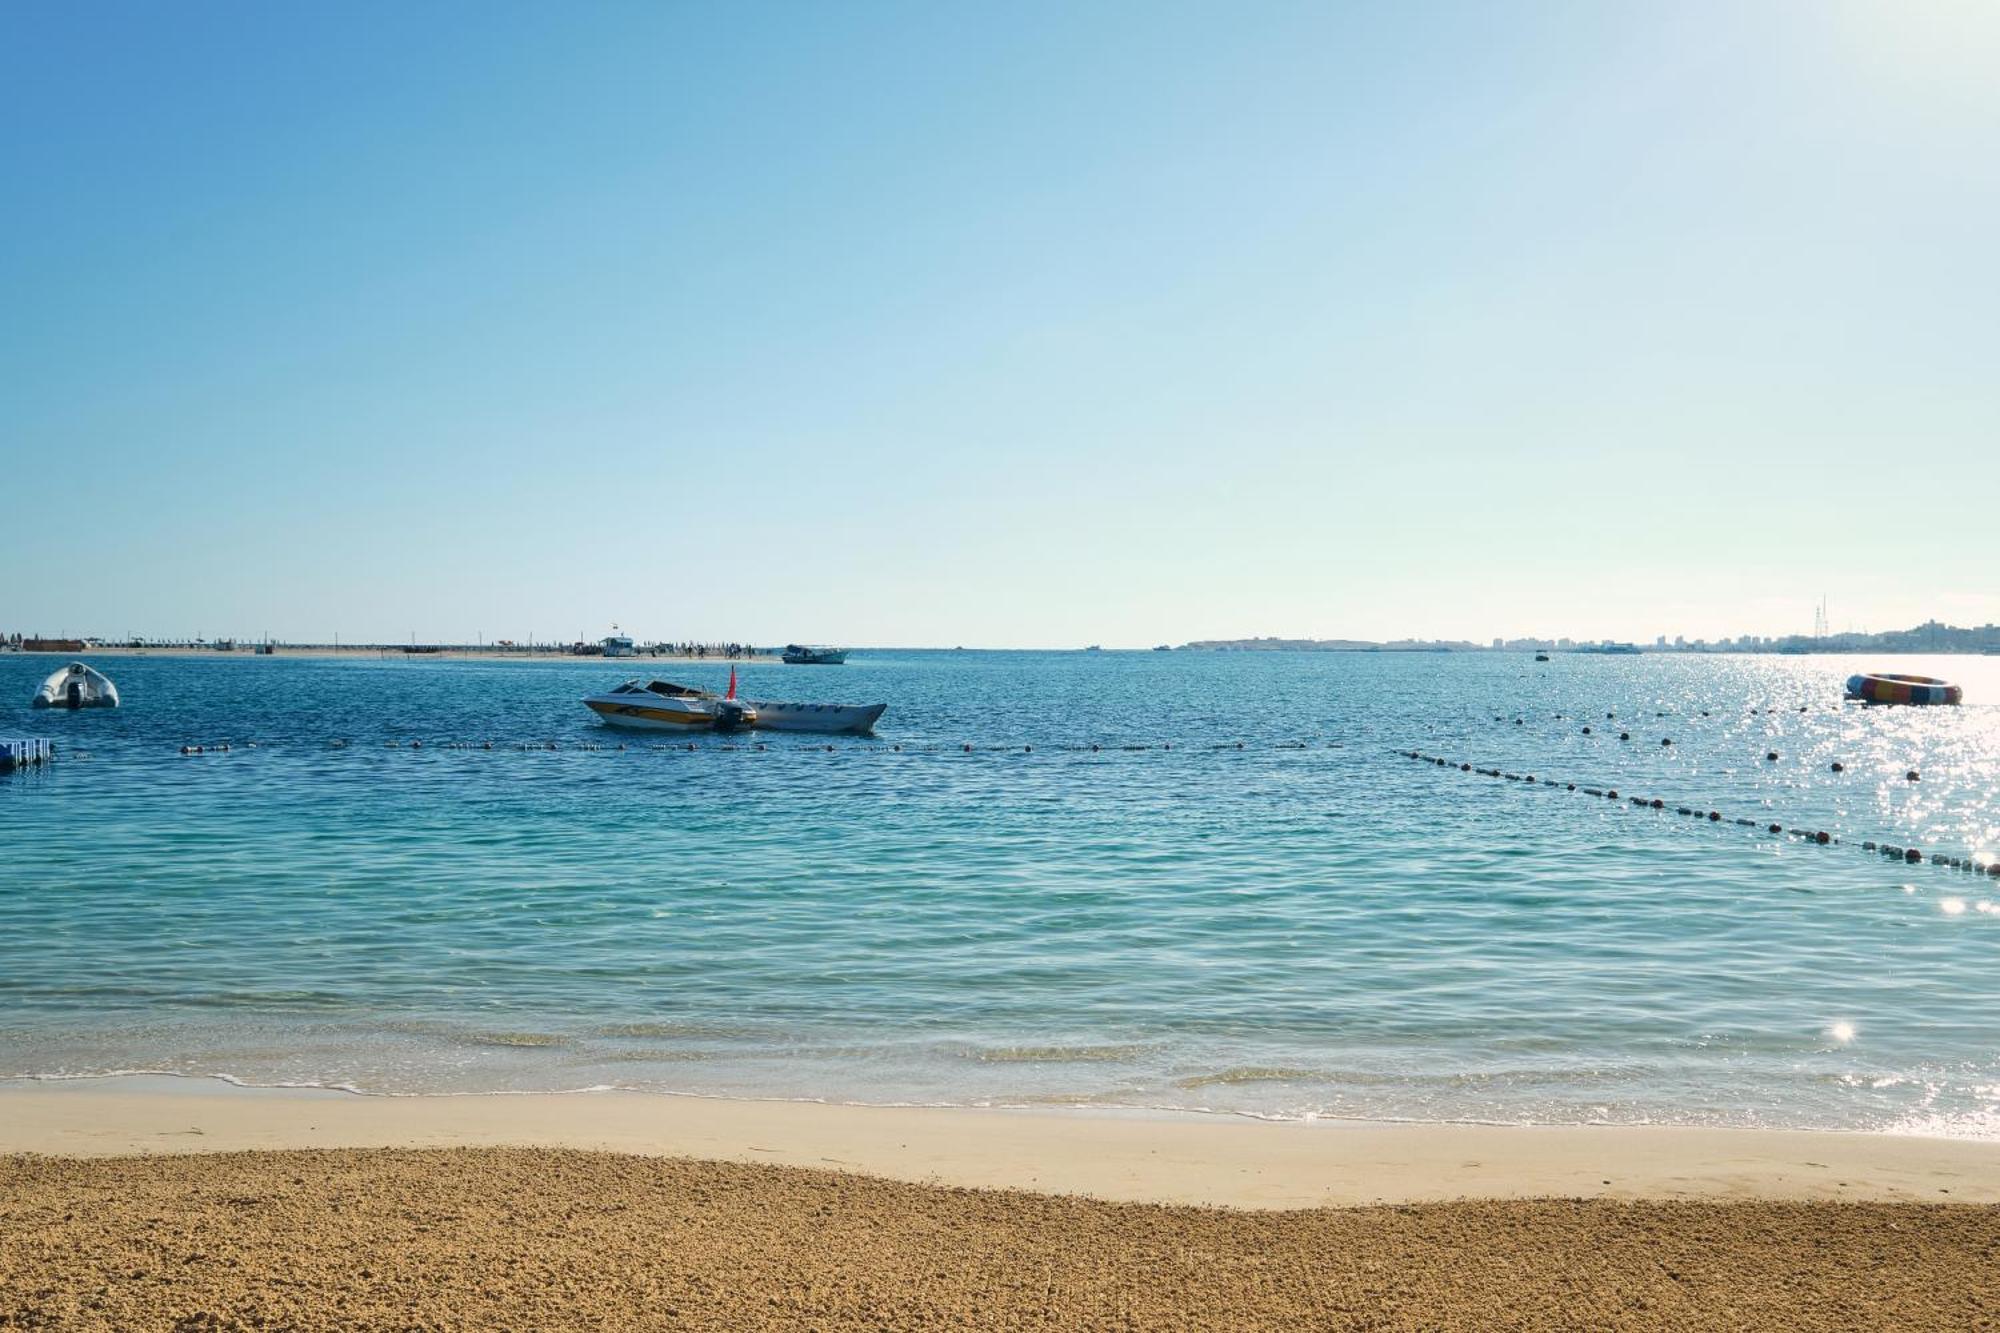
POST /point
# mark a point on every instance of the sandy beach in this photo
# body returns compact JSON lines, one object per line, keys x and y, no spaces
{"x":392,"y":652}
{"x":1228,"y":1161}
{"x":173,"y":1204}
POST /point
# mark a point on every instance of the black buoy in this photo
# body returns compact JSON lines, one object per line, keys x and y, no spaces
{"x":1911,"y":775}
{"x":1867,"y":846}
{"x":1913,"y":856}
{"x":1771,"y":755}
{"x":1777,"y":828}
{"x":1586,"y":731}
{"x":1822,"y":838}
{"x":1624,"y":735}
{"x":1838,"y":767}
{"x":1611,"y":795}
{"x":1715,"y":816}
{"x":1666,"y":740}
{"x":1659,"y":804}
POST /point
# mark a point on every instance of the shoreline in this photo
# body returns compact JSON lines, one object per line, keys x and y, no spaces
{"x":391,"y":653}
{"x":1133,"y":1157}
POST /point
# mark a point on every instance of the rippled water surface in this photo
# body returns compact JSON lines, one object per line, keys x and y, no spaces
{"x":1211,"y":881}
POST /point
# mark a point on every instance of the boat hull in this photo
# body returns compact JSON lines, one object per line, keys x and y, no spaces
{"x":76,"y":686}
{"x":828,"y":719}
{"x":640,"y":714}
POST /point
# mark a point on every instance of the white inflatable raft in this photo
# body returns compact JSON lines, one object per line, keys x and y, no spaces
{"x":77,"y":686}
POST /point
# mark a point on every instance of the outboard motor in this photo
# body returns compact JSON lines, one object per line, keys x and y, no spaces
{"x":75,"y":692}
{"x":728,"y":715}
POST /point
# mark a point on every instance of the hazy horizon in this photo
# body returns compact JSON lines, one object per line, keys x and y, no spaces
{"x":1035,"y":326}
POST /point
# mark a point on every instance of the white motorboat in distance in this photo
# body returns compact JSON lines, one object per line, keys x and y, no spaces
{"x":77,"y":686}
{"x":813,"y":654}
{"x":660,"y":705}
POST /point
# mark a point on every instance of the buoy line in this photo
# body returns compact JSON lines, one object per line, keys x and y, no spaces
{"x":1978,"y":863}
{"x":875,"y":746}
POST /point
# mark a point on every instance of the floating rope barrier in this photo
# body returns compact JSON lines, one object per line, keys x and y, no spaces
{"x":1976,"y":863}
{"x":799,"y":745}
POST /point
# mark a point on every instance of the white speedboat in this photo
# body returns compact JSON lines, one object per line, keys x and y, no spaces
{"x":77,"y":686}
{"x":659,"y":705}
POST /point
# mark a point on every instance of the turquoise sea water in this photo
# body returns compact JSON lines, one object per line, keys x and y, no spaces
{"x":1311,"y":924}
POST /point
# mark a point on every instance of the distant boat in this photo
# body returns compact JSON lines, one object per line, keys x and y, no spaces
{"x":661,"y":705}
{"x":76,"y":686}
{"x":1163,"y":647}
{"x":1541,"y":657}
{"x":803,"y":654}
{"x":1094,"y":648}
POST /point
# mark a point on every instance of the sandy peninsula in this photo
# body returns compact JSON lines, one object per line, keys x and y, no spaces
{"x":171,"y":1204}
{"x":394,"y":653}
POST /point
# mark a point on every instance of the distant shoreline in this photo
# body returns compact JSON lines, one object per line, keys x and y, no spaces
{"x":394,"y":654}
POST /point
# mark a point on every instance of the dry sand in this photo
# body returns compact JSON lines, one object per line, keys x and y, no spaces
{"x":314,"y":1210}
{"x":498,"y":1238}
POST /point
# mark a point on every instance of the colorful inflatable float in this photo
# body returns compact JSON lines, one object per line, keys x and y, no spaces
{"x":1889,"y":688}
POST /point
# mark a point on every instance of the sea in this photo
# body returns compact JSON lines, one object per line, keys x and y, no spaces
{"x":1455,"y":887}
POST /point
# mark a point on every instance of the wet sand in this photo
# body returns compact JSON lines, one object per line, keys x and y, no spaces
{"x":561,"y":1239}
{"x":1146,"y":1158}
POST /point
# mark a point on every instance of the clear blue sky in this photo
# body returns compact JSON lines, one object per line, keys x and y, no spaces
{"x":1008,"y":324}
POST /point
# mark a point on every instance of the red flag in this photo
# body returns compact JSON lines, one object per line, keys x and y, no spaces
{"x":732,"y":682}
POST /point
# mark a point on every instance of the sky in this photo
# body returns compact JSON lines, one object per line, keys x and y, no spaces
{"x":1009,"y":325}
